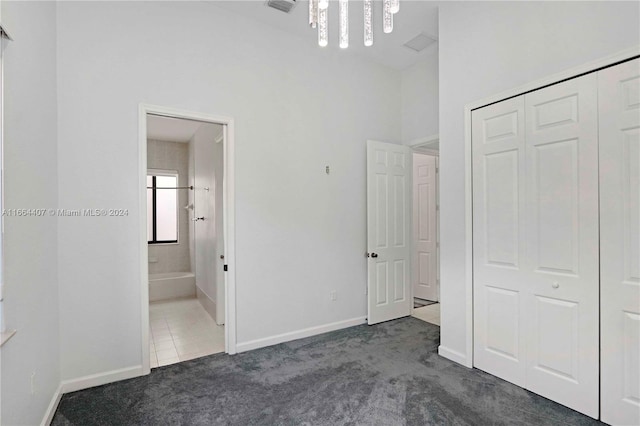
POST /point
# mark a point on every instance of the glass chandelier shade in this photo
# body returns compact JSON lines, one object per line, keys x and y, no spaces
{"x":313,"y":13}
{"x":319,"y":15}
{"x":368,"y":23}
{"x":344,"y":23}
{"x":323,"y":30}
{"x":387,"y":17}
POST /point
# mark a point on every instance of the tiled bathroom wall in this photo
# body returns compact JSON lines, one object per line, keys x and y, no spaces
{"x":172,"y":257}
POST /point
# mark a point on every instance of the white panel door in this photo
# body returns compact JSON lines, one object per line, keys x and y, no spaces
{"x":204,"y":230}
{"x":220,"y":229}
{"x":425,"y":282}
{"x":498,"y":261}
{"x":561,"y":243}
{"x":619,"y":109}
{"x":388,"y":231}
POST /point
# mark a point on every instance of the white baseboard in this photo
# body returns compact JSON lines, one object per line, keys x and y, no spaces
{"x":207,"y":303}
{"x":53,"y":406}
{"x":101,"y":379}
{"x":454,"y":356}
{"x":85,"y":382}
{"x":299,"y":334}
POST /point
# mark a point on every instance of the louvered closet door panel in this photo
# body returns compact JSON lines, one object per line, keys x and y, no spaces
{"x":562,"y":243}
{"x":619,"y":108}
{"x":498,"y":260}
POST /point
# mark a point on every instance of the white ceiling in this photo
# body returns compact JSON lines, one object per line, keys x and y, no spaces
{"x":173,"y":129}
{"x":414,"y":17}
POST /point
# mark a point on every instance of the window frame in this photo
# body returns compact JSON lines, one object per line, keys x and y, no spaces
{"x":153,"y":173}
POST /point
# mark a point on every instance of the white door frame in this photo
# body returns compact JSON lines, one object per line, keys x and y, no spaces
{"x":228,"y":194}
{"x":466,"y":358}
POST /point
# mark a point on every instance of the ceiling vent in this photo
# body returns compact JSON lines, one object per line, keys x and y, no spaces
{"x":285,"y":6}
{"x":420,"y":42}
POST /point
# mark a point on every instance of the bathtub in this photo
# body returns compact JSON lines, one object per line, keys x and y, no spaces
{"x":171,"y":285}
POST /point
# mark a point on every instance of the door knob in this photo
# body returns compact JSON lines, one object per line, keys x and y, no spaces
{"x":195,"y":219}
{"x":555,"y":284}
{"x":374,"y":254}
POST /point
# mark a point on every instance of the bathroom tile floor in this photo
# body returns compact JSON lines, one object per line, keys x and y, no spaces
{"x":430,"y":313}
{"x":182,"y":330}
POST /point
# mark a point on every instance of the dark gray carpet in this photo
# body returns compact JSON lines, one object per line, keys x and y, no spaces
{"x":387,"y":374}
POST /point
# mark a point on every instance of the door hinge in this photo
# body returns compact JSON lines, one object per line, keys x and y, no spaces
{"x":226,"y":268}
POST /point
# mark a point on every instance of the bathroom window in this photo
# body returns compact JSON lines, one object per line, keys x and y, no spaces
{"x":162,"y":207}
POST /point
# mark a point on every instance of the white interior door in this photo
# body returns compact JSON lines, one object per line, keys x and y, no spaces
{"x":425,"y":281}
{"x":499,"y":264}
{"x":218,"y":205}
{"x":389,"y":169}
{"x":619,"y":107}
{"x":204,"y":229}
{"x":561,"y":243}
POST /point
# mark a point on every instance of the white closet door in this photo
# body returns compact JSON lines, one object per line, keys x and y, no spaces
{"x":619,"y":106}
{"x":562,"y":243}
{"x":389,"y":173}
{"x":498,"y":260}
{"x":425,"y":281}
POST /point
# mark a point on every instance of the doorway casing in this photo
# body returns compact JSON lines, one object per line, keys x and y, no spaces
{"x":228,"y":195}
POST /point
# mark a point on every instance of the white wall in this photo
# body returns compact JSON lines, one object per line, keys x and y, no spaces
{"x":31,"y":271}
{"x":420,"y":98}
{"x":299,"y":232}
{"x":486,"y":48}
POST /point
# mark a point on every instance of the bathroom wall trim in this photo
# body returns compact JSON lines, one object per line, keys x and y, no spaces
{"x":206,"y":302}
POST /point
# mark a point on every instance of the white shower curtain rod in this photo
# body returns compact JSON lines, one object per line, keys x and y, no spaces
{"x":172,"y":187}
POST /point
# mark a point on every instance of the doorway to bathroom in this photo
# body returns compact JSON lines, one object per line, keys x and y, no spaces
{"x":186,"y":239}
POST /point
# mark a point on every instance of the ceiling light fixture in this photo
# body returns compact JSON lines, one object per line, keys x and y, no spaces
{"x":323,"y":30}
{"x":318,"y":17}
